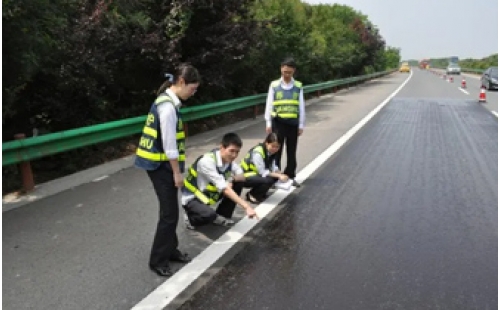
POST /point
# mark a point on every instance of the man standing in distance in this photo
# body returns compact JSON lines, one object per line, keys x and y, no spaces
{"x":285,"y":115}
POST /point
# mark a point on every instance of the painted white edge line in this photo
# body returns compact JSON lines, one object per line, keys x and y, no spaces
{"x":463,"y":91}
{"x":100,"y":178}
{"x":318,"y":161}
{"x":164,"y":294}
{"x":495,"y":113}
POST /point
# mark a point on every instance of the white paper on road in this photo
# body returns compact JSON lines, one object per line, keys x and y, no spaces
{"x":283,"y":185}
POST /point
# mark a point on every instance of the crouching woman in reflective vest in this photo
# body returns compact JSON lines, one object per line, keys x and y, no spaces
{"x":161,"y":152}
{"x":213,"y":186}
{"x":260,"y":169}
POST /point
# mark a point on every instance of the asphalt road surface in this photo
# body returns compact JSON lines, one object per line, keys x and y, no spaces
{"x":87,"y":247}
{"x":405,"y":217}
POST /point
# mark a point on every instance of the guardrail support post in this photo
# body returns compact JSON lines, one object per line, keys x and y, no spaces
{"x":255,"y":111}
{"x":25,"y":169}
{"x":318,"y":93}
{"x":185,"y":130}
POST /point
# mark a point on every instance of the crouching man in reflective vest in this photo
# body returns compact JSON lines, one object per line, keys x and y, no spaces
{"x":213,"y":186}
{"x":260,"y":168}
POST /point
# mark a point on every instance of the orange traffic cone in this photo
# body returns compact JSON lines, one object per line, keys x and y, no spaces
{"x":482,"y":95}
{"x":451,"y":79}
{"x":464,"y":85}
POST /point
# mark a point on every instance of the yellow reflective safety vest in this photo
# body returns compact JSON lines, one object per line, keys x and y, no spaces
{"x":286,"y":102}
{"x":210,"y":195}
{"x":150,"y":152}
{"x":248,"y":165}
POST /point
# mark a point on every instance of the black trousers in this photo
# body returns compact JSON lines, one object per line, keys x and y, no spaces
{"x":260,"y":185}
{"x":200,"y":214}
{"x":165,"y":241}
{"x":287,"y":135}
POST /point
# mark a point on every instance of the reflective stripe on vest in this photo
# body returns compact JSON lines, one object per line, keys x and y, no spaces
{"x":286,"y":101}
{"x":247,"y":163}
{"x":210,"y":195}
{"x":150,"y":145}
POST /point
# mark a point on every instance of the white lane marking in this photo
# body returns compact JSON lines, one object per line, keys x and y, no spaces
{"x":100,"y":178}
{"x":164,"y":294}
{"x":463,"y":91}
{"x":332,"y":149}
{"x":495,"y":113}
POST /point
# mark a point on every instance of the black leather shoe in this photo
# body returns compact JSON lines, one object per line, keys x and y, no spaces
{"x":162,"y":271}
{"x":181,"y":258}
{"x":251,"y":198}
{"x":254,"y":199}
{"x":295,"y":183}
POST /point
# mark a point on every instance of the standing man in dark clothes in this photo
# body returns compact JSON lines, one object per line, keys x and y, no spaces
{"x":285,"y":115}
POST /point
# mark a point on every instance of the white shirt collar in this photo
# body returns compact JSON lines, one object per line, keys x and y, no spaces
{"x":218,"y":160}
{"x":287,"y":84}
{"x":174,"y":97}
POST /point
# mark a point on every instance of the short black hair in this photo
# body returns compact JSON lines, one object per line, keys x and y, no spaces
{"x":231,"y":138}
{"x":290,"y":62}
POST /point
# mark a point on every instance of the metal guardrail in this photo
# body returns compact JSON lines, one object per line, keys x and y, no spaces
{"x":468,"y":70}
{"x":24,"y":150}
{"x":477,"y":71}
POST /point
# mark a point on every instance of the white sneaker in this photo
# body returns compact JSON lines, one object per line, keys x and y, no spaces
{"x":222,"y":221}
{"x":188,"y":223}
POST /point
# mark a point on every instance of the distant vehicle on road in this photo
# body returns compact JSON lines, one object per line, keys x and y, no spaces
{"x":453,"y":60}
{"x":405,"y":67}
{"x":424,"y":64}
{"x":489,"y":79}
{"x":453,"y":69}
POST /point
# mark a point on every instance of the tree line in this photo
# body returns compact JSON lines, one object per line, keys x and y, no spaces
{"x":75,"y":63}
{"x":484,"y":63}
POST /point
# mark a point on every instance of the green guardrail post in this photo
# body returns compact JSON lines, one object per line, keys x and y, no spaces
{"x":25,"y":169}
